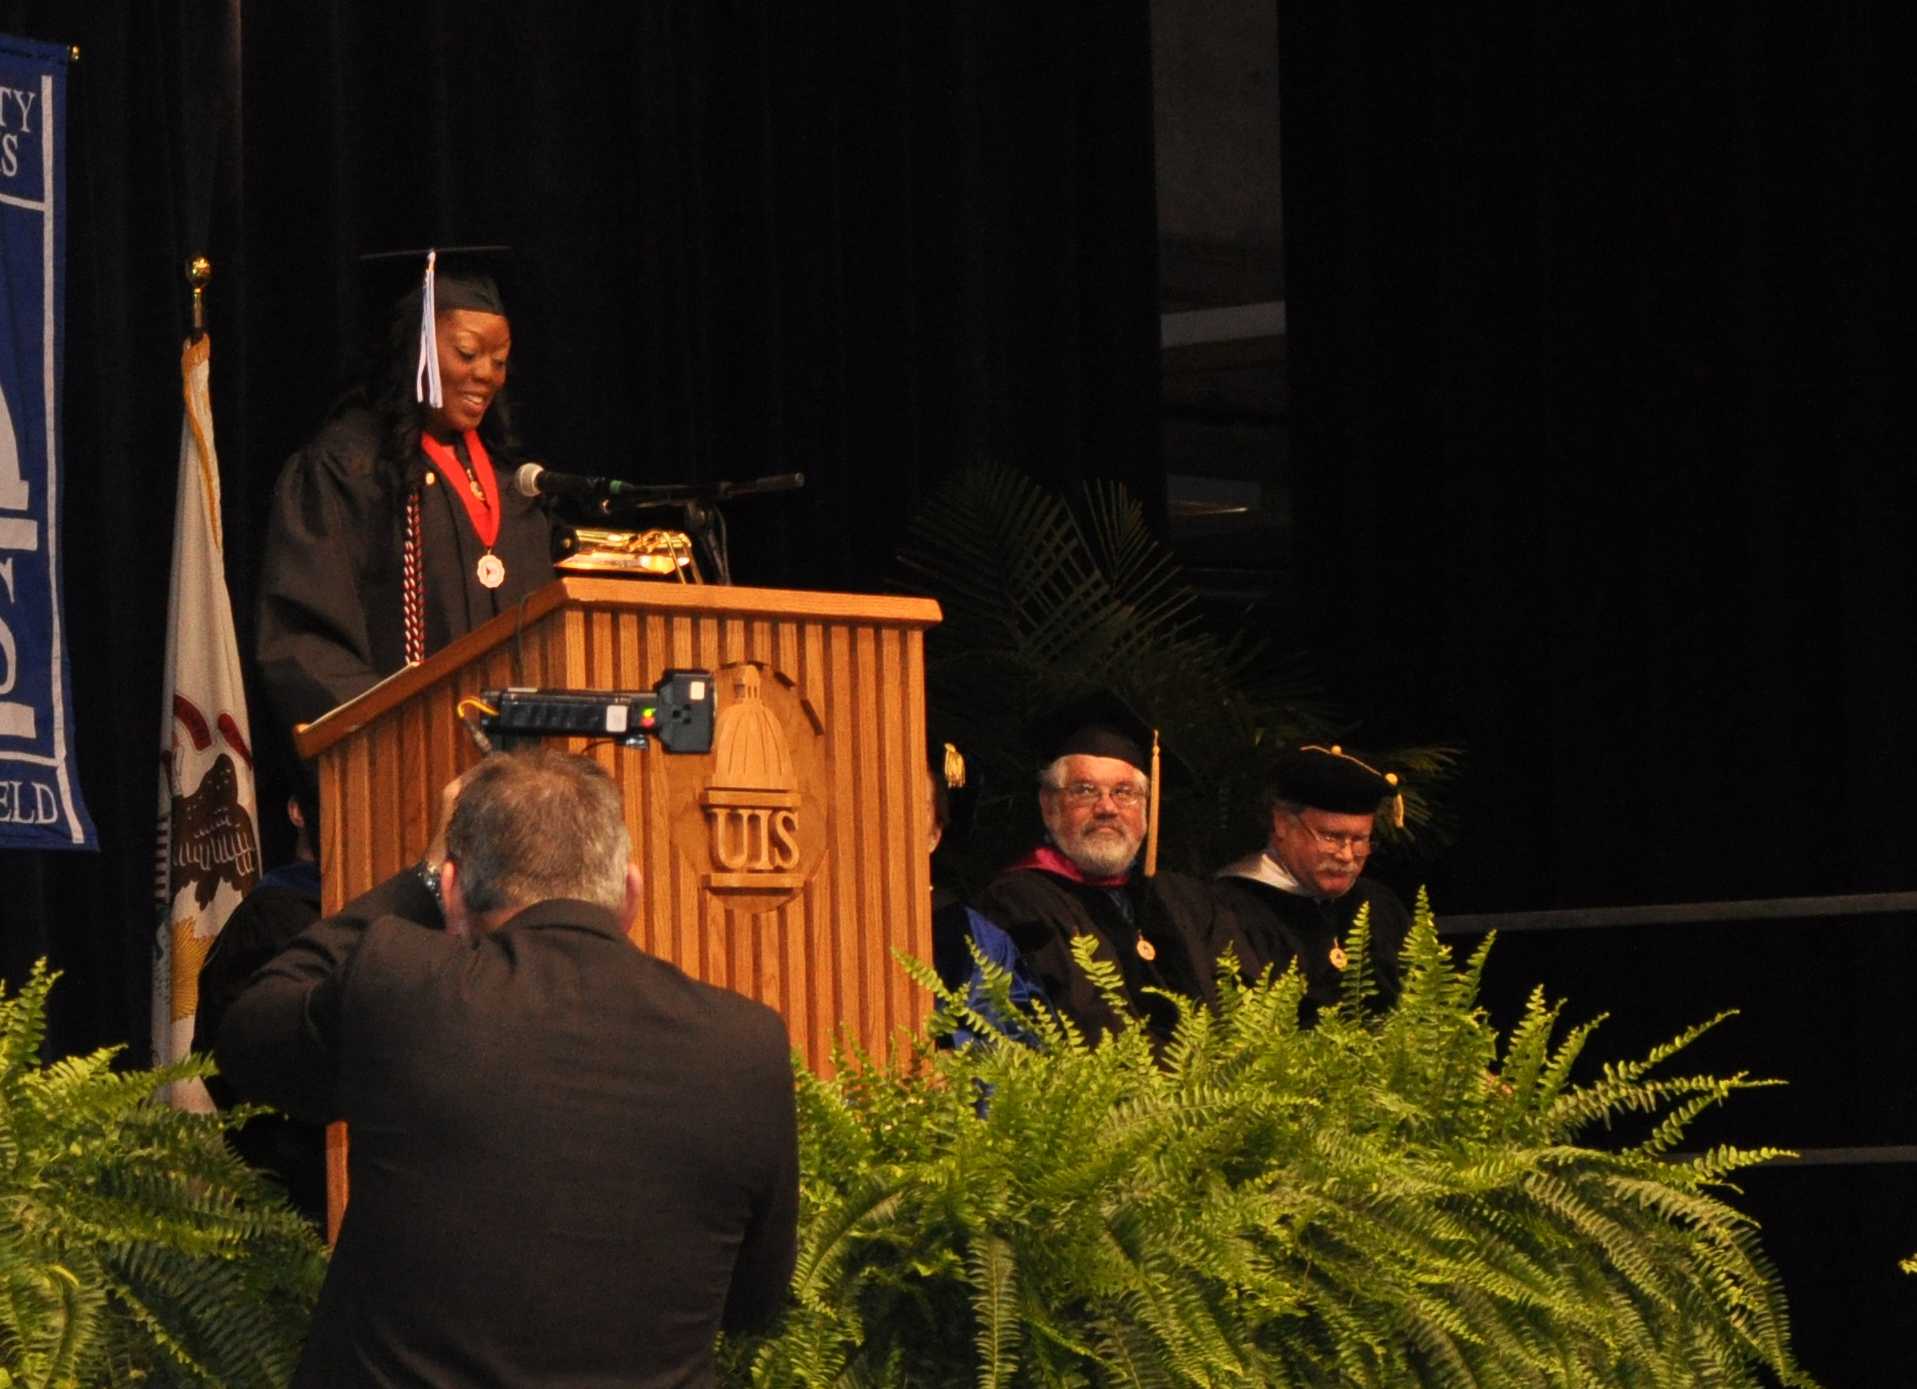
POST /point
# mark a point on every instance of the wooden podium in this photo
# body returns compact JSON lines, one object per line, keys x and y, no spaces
{"x":787,"y":864}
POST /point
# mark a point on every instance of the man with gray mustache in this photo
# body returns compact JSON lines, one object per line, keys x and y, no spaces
{"x":1298,"y":897}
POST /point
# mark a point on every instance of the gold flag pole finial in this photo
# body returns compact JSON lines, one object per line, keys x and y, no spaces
{"x":198,"y":271}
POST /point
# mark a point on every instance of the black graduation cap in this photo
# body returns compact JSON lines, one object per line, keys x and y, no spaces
{"x":1100,"y":724}
{"x":1329,"y":778}
{"x":464,"y":277}
{"x":439,"y":279}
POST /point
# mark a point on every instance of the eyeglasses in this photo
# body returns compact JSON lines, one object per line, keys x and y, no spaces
{"x":1125,"y":797}
{"x":1357,"y":845}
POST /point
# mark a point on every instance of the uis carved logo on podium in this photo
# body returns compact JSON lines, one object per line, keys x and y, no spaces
{"x":754,"y":826}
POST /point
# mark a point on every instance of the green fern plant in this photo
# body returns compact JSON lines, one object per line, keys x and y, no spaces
{"x":1378,"y":1201}
{"x":134,"y":1247}
{"x":1044,"y":599}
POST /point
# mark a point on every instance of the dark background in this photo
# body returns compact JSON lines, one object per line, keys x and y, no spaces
{"x":1590,"y":353}
{"x":1588,"y":420}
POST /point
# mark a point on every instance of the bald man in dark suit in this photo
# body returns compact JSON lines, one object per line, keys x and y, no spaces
{"x":570,"y":1163}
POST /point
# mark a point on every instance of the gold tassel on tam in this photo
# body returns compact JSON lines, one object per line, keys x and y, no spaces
{"x":1151,"y":817}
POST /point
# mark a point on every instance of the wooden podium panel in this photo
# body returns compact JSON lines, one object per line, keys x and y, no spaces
{"x":787,"y":864}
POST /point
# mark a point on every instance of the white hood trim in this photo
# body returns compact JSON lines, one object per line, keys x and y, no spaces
{"x":1261,"y":867}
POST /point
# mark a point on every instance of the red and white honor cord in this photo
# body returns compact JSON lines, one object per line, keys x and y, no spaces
{"x":413,"y":582}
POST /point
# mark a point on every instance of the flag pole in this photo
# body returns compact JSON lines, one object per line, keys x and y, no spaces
{"x":199,"y":270}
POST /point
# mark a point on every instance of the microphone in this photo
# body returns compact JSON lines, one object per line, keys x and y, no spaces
{"x":537,"y":480}
{"x":778,"y":482}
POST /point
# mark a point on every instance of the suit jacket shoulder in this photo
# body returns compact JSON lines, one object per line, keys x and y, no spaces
{"x":570,"y":1161}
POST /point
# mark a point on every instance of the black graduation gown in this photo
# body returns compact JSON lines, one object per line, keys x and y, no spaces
{"x":951,"y":934}
{"x":286,"y":902}
{"x":330,"y":616}
{"x":1179,"y":917}
{"x":1281,"y":926}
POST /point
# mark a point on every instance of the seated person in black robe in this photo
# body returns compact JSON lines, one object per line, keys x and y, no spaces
{"x":1163,"y":931}
{"x":1296,"y":898}
{"x":958,"y":929}
{"x":283,"y":904}
{"x":395,"y":529}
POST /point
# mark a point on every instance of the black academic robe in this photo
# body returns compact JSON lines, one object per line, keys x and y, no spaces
{"x":1178,"y":918}
{"x":330,"y":608}
{"x":285,"y":904}
{"x":1281,"y":926}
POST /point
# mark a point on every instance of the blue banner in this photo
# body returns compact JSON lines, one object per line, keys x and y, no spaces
{"x":40,"y":805}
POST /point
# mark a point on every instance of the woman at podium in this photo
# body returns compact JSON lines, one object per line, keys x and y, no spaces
{"x":395,"y":529}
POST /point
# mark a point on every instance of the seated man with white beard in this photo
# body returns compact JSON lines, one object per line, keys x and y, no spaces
{"x":1162,"y":931}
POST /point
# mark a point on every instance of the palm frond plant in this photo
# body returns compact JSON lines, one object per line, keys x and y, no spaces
{"x":1379,"y":1201}
{"x":135,"y":1248}
{"x":1045,"y":598}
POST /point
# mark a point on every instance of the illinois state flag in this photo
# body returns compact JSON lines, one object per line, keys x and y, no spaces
{"x":208,"y":856}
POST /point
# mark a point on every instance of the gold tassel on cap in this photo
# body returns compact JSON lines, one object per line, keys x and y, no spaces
{"x":1151,"y":819}
{"x":954,"y":768}
{"x":1397,"y":800}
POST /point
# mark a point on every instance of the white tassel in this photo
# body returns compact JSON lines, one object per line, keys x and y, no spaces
{"x":426,"y":388}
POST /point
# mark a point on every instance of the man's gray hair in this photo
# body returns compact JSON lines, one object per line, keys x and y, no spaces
{"x":537,"y":824}
{"x":1051,"y":777}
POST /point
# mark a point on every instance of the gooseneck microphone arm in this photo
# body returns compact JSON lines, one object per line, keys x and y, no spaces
{"x":698,"y":500}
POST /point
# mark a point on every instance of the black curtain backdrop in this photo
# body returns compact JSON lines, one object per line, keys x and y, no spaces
{"x":1591,"y":338}
{"x":1591,"y":312}
{"x":872,"y":244}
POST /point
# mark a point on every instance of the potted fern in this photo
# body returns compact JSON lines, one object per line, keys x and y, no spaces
{"x":134,"y":1247}
{"x":1381,"y":1201}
